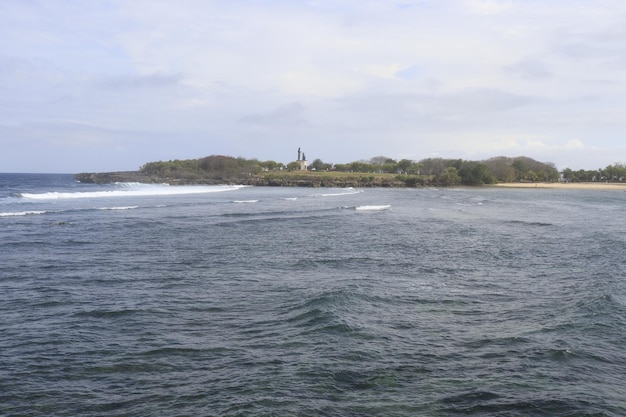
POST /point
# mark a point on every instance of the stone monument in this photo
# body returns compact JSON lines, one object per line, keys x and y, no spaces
{"x":302,"y":162}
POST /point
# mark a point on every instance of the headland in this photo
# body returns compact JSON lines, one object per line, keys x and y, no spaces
{"x":519,"y":172}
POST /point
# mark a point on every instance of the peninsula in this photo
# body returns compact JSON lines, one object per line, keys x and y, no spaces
{"x":377,"y":172}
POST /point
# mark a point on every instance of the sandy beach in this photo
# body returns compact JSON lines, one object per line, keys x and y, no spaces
{"x":564,"y":185}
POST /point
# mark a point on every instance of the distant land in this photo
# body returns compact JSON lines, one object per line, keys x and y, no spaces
{"x":377,"y":172}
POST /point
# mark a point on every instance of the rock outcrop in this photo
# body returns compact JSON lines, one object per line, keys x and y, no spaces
{"x":283,"y":179}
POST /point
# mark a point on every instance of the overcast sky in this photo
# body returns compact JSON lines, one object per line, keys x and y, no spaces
{"x":109,"y":85}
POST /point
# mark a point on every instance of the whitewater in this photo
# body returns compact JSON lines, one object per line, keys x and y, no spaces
{"x":130,"y":190}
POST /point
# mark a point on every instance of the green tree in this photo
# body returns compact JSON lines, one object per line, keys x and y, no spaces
{"x":411,"y":180}
{"x":359,"y":166}
{"x":449,"y":177}
{"x":293,"y":166}
{"x":319,"y":165}
{"x":389,"y":167}
{"x":520,"y":169}
{"x":405,"y":166}
{"x":475,"y":173}
{"x":271,"y":165}
{"x":381,"y":160}
{"x":616,"y":172}
{"x":568,"y":175}
{"x":501,"y":167}
{"x":433,"y":166}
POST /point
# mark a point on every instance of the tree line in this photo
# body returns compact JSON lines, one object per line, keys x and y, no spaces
{"x":430,"y":171}
{"x":612,"y":173}
{"x":442,"y":171}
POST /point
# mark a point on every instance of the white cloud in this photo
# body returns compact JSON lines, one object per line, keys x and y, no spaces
{"x":347,"y":79}
{"x":529,"y":68}
{"x":290,"y":115}
{"x":132,"y":82}
{"x":489,"y":7}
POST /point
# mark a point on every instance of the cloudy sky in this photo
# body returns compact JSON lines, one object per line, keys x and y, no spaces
{"x":105,"y":85}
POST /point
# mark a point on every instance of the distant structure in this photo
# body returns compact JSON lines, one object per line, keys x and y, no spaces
{"x":302,"y":162}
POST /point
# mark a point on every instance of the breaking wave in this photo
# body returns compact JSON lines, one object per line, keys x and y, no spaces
{"x":133,"y":190}
{"x":119,"y":208}
{"x":22,"y":213}
{"x":345,"y":191}
{"x":373,"y":208}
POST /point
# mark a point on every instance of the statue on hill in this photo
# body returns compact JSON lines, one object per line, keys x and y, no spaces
{"x":298,"y":154}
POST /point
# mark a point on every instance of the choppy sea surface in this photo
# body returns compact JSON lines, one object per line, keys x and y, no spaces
{"x":155,"y":300}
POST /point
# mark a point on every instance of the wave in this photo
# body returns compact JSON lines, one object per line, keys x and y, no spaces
{"x":34,"y":212}
{"x":345,"y":191}
{"x":528,"y":223}
{"x":119,"y":208}
{"x":373,"y":208}
{"x":279,"y":214}
{"x":133,"y":190}
{"x":22,"y":213}
{"x":245,"y":201}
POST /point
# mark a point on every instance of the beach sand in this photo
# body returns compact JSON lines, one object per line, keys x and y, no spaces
{"x":565,"y":186}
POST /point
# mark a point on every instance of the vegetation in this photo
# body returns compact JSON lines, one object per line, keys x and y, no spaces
{"x":378,"y":171}
{"x":215,"y":166}
{"x":612,"y":173}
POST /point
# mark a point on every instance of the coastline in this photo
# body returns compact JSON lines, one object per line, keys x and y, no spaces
{"x":565,"y":185}
{"x":321,"y":179}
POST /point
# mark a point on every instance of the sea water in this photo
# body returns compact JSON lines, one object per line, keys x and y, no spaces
{"x":157,"y":300}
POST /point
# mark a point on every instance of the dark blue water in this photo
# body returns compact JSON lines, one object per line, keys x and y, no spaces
{"x":135,"y":300}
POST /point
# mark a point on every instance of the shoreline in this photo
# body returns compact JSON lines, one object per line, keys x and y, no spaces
{"x":321,"y":180}
{"x":564,"y":185}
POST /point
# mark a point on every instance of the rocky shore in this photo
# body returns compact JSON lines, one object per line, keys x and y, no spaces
{"x":111,"y":177}
{"x":307,"y":179}
{"x":283,"y":179}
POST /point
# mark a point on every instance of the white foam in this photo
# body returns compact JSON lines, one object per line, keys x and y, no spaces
{"x":21,"y":213}
{"x":373,"y":208}
{"x":290,"y":198}
{"x":346,"y":191}
{"x":119,"y":208}
{"x":134,"y":190}
{"x":245,"y":201}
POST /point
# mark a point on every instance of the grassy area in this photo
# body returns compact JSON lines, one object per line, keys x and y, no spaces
{"x":328,"y":174}
{"x":330,"y":179}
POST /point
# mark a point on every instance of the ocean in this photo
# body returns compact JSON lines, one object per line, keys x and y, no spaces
{"x":157,"y":300}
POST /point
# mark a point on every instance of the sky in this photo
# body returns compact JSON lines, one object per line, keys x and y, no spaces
{"x":105,"y":85}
